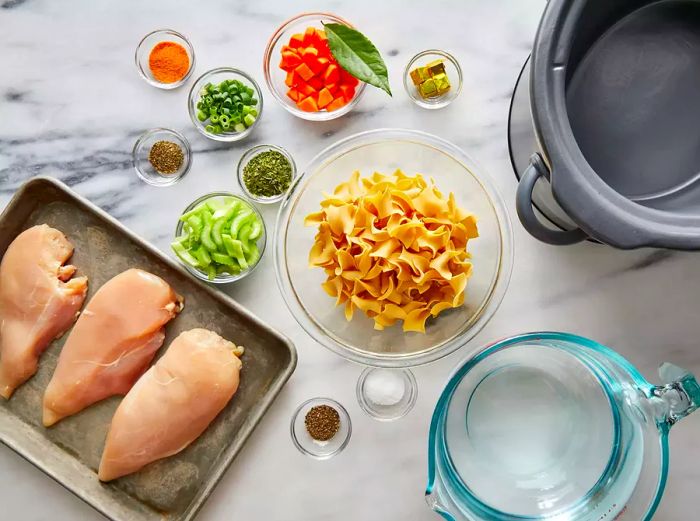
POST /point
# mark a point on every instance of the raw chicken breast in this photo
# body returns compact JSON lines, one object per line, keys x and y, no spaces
{"x":38,"y":301}
{"x":173,"y":403}
{"x":112,"y":344}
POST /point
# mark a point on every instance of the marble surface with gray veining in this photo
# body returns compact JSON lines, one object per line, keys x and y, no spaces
{"x":72,"y":105}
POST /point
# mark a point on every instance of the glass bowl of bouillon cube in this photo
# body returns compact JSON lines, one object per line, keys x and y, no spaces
{"x":433,"y":79}
{"x":225,"y":104}
{"x":252,"y":174}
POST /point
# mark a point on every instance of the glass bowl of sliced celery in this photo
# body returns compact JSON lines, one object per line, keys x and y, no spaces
{"x":220,"y":238}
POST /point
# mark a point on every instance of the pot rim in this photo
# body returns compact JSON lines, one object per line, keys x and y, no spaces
{"x":602,"y":212}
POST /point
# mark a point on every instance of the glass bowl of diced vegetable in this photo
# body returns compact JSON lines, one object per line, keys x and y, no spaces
{"x":225,"y":104}
{"x":303,"y":76}
{"x":220,"y":238}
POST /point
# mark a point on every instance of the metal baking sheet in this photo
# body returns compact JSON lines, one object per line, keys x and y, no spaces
{"x":176,"y":487}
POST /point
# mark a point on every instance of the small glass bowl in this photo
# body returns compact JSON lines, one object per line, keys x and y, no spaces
{"x":143,"y":52}
{"x":452,"y":69}
{"x":320,"y":449}
{"x":142,"y":148}
{"x":262,"y":241}
{"x":274,"y":76}
{"x":245,"y":158}
{"x":394,"y":407}
{"x":217,"y":76}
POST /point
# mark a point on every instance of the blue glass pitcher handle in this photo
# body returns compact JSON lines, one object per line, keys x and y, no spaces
{"x":680,"y":393}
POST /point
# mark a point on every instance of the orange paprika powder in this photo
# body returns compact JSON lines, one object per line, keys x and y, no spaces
{"x":168,"y":62}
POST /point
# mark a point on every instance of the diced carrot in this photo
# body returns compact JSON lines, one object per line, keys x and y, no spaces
{"x":304,"y":88}
{"x":348,"y":91}
{"x":324,"y":98}
{"x":309,"y":36}
{"x":321,"y":35}
{"x":316,"y":83}
{"x":304,"y":71}
{"x":336,"y":104}
{"x":348,"y":78}
{"x":308,"y":104}
{"x":290,"y":59}
{"x":289,"y":80}
{"x":286,"y":48}
{"x":293,"y":94}
{"x":297,"y":40}
{"x":332,"y":74}
{"x":332,"y":88}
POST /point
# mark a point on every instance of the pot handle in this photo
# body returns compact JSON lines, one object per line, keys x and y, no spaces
{"x":526,"y":213}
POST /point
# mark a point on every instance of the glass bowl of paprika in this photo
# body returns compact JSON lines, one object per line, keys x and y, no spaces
{"x":165,"y":59}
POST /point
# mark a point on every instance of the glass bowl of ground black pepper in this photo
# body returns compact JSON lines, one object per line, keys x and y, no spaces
{"x":265,"y":173}
{"x":161,"y":157}
{"x":165,"y":59}
{"x":321,"y":428}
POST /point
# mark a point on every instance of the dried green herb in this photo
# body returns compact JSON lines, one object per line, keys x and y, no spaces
{"x":357,"y":54}
{"x":322,"y":422}
{"x":267,"y":174}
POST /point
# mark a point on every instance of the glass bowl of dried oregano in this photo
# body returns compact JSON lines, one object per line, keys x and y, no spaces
{"x":161,"y":157}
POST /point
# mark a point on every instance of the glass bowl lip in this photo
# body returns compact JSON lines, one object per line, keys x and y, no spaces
{"x":191,"y":105}
{"x":342,"y":411}
{"x":169,"y":179}
{"x":367,"y":408}
{"x":464,"y":366}
{"x":248,"y":155}
{"x":226,"y":278}
{"x":280,"y":97}
{"x":158,"y":84}
{"x":439,"y":102}
{"x":488,"y":308}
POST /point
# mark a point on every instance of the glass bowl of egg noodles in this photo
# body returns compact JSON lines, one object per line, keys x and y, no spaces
{"x":393,"y":248}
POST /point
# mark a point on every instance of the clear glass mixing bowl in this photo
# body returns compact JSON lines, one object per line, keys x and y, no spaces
{"x":385,"y":150}
{"x":553,"y":426}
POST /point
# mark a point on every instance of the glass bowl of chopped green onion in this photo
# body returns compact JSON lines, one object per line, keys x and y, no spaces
{"x":265,"y":173}
{"x":225,"y":104}
{"x":220,"y":238}
{"x":161,"y":157}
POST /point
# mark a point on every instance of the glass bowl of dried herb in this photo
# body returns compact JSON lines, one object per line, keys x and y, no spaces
{"x":161,"y":156}
{"x":265,"y":173}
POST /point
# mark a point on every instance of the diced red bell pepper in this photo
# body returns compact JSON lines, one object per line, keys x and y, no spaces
{"x":296,"y":41}
{"x":332,"y":74}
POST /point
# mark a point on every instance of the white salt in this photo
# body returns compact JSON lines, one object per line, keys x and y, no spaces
{"x":384,"y":387}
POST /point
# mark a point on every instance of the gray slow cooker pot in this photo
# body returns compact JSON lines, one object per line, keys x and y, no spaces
{"x":615,"y":107}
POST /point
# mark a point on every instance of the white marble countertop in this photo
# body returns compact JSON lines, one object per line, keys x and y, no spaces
{"x":72,"y":104}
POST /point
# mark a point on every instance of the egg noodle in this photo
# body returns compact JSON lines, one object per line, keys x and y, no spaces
{"x":393,"y":247}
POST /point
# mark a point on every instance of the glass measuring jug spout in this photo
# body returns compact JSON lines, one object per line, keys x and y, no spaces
{"x":553,"y":426}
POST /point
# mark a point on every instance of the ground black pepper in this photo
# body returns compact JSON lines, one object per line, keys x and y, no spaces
{"x":166,"y":157}
{"x":322,"y":422}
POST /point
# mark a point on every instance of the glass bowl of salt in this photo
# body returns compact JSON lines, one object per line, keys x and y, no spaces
{"x":386,"y":394}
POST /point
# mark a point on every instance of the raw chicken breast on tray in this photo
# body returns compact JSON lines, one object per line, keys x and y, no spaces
{"x":39,"y":301}
{"x":112,"y":344}
{"x":172,"y":403}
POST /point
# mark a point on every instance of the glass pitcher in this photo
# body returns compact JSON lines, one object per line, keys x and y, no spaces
{"x":553,"y":426}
